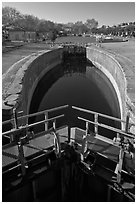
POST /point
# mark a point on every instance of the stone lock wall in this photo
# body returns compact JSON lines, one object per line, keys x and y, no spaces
{"x":35,"y":67}
{"x":113,"y":70}
{"x":26,"y":80}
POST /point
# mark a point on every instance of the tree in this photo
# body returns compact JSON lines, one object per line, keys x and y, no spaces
{"x":53,"y":35}
{"x":29,"y":22}
{"x":58,"y":27}
{"x":79,"y":28}
{"x":43,"y":26}
{"x":91,"y":23}
{"x":10,"y":16}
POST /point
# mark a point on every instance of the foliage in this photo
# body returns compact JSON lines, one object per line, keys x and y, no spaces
{"x":91,"y":23}
{"x":123,"y":29}
{"x":53,"y":35}
{"x":12,"y":17}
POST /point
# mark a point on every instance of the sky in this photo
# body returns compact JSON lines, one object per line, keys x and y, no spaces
{"x":106,"y":13}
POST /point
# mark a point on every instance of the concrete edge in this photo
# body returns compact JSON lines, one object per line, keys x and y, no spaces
{"x":15,"y":89}
{"x":128,"y":100}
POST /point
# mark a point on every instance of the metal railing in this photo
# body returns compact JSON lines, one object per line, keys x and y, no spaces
{"x":19,"y":139}
{"x":121,"y":133}
{"x":32,"y":114}
{"x":97,"y":124}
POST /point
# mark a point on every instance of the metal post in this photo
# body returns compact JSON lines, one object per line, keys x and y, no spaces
{"x":54,"y":124}
{"x":84,"y":145}
{"x":15,"y":118}
{"x":96,"y":125}
{"x":84,"y":142}
{"x":87,"y":126}
{"x":121,"y":155}
{"x":127,"y":122}
{"x":15,"y":124}
{"x":109,"y":193}
{"x":57,"y":144}
{"x":46,"y":123}
{"x":34,"y":190}
{"x":69,"y":134}
{"x":21,"y":158}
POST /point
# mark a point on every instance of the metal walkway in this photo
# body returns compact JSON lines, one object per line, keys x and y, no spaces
{"x":27,"y":151}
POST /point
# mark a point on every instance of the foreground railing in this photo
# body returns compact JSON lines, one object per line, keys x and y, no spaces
{"x":121,"y":139}
{"x":16,"y":118}
{"x":97,"y":124}
{"x":21,"y":135}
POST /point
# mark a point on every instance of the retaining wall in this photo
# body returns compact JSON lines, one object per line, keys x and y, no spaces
{"x":27,"y":77}
{"x":113,"y":70}
{"x":29,"y":74}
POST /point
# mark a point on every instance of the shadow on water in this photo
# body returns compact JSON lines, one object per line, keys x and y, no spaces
{"x":76,"y":82}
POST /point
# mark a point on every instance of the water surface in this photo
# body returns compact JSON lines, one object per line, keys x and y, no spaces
{"x":77,"y":83}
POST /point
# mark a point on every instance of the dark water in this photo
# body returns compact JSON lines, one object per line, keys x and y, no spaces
{"x":76,"y":82}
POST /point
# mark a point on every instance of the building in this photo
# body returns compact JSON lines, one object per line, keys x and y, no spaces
{"x":16,"y":34}
{"x":19,"y":34}
{"x":30,"y":36}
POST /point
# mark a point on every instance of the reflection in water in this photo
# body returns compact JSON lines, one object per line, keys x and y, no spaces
{"x":78,"y":83}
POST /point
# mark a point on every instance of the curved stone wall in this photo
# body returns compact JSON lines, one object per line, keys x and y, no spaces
{"x":35,"y":67}
{"x":27,"y":78}
{"x":113,"y":70}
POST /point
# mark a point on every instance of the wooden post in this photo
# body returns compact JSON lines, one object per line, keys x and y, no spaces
{"x":96,"y":125}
